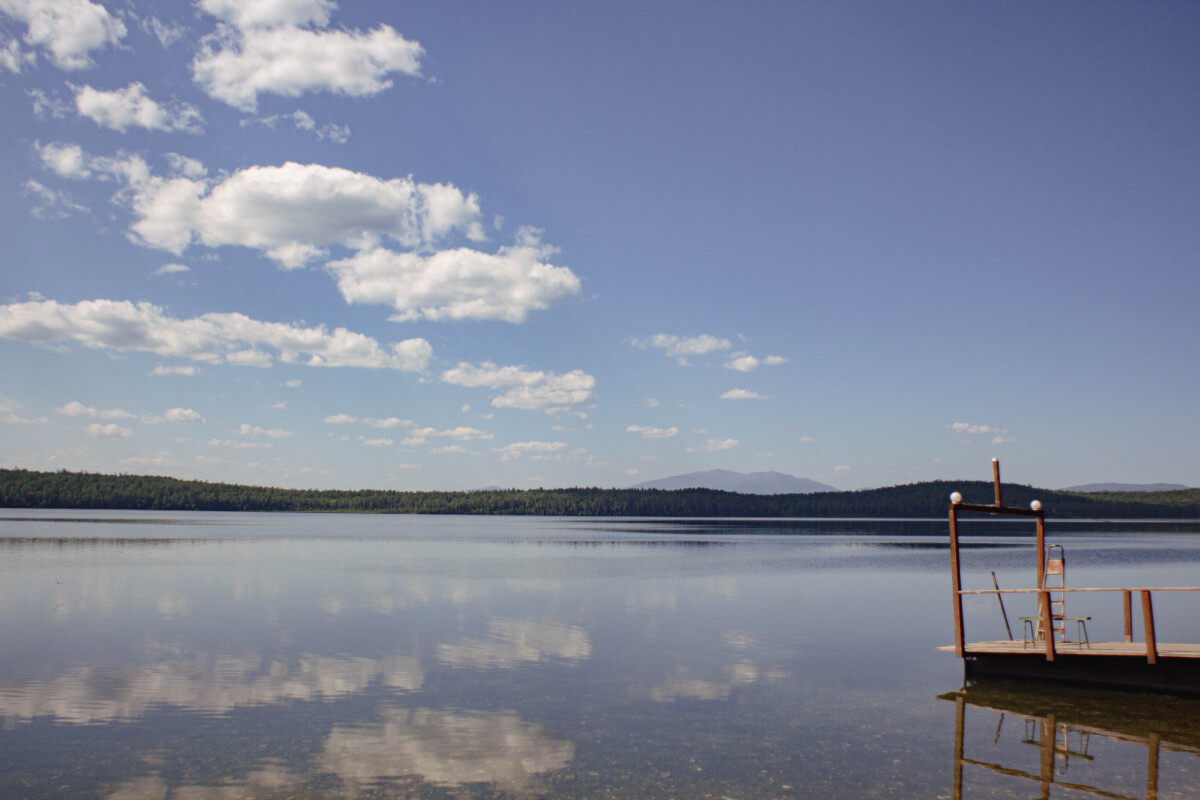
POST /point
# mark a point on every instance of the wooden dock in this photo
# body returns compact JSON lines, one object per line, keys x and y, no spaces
{"x":1044,"y":652}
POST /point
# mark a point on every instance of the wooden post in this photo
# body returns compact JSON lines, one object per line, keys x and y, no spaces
{"x":1047,"y":623}
{"x":1041,"y":549}
{"x":1000,"y":598}
{"x":956,"y":581}
{"x":1148,"y":624}
{"x":996,"y":479}
{"x":1127,"y":596}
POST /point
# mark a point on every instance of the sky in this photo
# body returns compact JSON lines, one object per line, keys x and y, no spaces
{"x":538,"y":244}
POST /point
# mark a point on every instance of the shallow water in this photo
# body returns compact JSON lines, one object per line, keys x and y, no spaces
{"x":207,"y":655}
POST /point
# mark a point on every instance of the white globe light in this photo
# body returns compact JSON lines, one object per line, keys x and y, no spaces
{"x":1036,"y":505}
{"x":955,"y":498}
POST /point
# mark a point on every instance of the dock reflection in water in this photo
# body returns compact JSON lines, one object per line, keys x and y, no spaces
{"x":1009,"y":735}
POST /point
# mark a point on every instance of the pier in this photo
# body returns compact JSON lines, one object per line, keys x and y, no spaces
{"x":1044,"y":652}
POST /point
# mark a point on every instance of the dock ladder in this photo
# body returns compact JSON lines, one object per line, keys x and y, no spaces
{"x":1056,"y":579}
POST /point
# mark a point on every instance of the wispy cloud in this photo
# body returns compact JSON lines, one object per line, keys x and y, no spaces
{"x":714,"y":446}
{"x":969,"y":430}
{"x":680,"y":347}
{"x":744,"y":362}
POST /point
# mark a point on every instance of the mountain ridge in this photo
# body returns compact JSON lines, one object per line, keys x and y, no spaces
{"x":742,"y":482}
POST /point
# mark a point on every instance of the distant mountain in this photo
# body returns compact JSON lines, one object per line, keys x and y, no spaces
{"x":746,"y":483}
{"x":1126,"y":487}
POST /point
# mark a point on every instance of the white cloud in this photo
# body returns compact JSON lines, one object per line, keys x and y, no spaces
{"x":527,"y":389}
{"x":841,"y":469}
{"x":78,"y":409}
{"x":805,"y":440}
{"x":378,"y":442}
{"x":714,"y":446}
{"x":295,"y":383}
{"x":166,"y":33}
{"x":174,"y":415}
{"x":46,"y":106}
{"x":210,"y":338}
{"x":270,"y":433}
{"x":774,"y":361}
{"x":122,"y":109}
{"x":162,"y":370}
{"x":66,"y":160}
{"x":744,"y":362}
{"x":302,"y":121}
{"x":998,"y":435}
{"x":9,"y":415}
{"x":172,"y":269}
{"x":260,"y":48}
{"x":461,"y":433}
{"x":680,"y":347}
{"x":109,"y":431}
{"x":653,"y":433}
{"x":293,"y":210}
{"x":456,"y":284}
{"x":452,"y":450}
{"x":743,"y":394}
{"x":68,"y":30}
{"x":539,"y":450}
{"x":346,"y":419}
{"x":11,"y":57}
{"x":237,"y":445}
{"x":51,"y":204}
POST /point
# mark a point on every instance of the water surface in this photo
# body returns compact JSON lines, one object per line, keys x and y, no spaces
{"x":208,"y":655}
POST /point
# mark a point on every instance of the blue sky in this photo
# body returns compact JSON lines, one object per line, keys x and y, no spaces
{"x":454,"y":245}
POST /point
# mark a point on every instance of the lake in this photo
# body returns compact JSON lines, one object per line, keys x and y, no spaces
{"x":221,"y":655}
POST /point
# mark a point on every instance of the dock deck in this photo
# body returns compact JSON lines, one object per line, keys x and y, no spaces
{"x":1125,"y":649}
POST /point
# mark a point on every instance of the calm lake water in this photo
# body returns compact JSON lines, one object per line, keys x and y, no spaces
{"x":207,"y":655}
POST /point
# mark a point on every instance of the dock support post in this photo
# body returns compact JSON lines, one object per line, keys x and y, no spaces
{"x":1148,"y":623}
{"x":1047,"y":623}
{"x":1127,"y":596}
{"x":956,"y":580}
{"x":1041,"y":548}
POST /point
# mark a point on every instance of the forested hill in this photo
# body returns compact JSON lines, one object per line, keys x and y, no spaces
{"x":27,"y":489}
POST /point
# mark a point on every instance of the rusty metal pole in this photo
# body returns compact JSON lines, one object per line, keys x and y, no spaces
{"x":956,"y":582}
{"x":996,"y":479}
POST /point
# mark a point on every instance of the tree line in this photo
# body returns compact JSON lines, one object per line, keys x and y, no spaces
{"x":21,"y":488}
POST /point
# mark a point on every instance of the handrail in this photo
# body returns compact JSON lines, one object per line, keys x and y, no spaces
{"x":1085,"y":589}
{"x":1127,"y":602}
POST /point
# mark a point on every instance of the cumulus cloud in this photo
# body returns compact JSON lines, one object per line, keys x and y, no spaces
{"x":743,"y":394}
{"x":210,"y":338}
{"x":292,"y":211}
{"x":744,"y":362}
{"x":680,"y":347}
{"x":527,"y":389}
{"x":173,"y":415}
{"x":78,"y":409}
{"x":714,"y":446}
{"x":11,"y":57}
{"x":462,"y":433}
{"x":122,"y":109}
{"x":457,"y":284}
{"x":539,"y":451}
{"x":653,"y":433}
{"x":172,"y":269}
{"x":262,"y":48}
{"x":66,"y":30}
{"x":109,"y":431}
